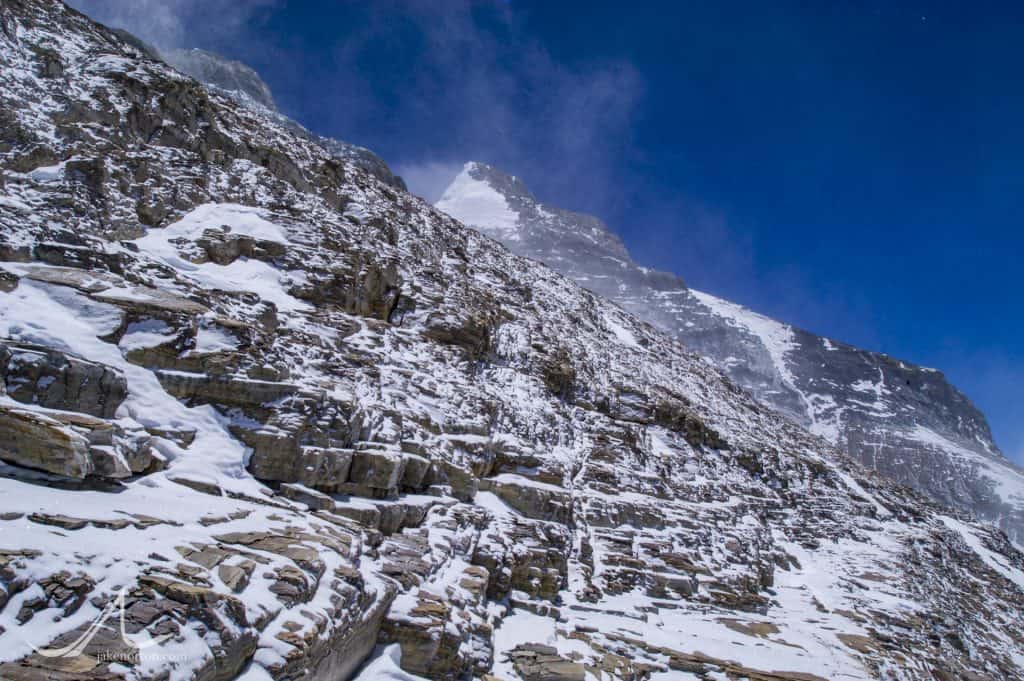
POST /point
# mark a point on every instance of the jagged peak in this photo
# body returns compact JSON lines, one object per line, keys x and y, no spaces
{"x":500,"y":205}
{"x":478,"y":196}
{"x":227,"y":74}
{"x":505,"y":183}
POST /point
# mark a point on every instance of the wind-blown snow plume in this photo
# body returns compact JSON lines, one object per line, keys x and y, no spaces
{"x":176,"y":23}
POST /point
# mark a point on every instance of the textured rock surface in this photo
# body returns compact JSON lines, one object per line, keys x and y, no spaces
{"x":907,"y":422}
{"x":226,"y":74}
{"x":44,"y":376}
{"x":504,"y":476}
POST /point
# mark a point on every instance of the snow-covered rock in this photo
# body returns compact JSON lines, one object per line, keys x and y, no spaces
{"x":380,"y":428}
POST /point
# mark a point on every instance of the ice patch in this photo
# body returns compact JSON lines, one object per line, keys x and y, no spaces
{"x":214,"y":339}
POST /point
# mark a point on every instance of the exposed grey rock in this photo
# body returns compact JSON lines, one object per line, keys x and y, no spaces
{"x":316,"y":501}
{"x":537,"y":500}
{"x":227,"y":390}
{"x":226,"y":74}
{"x":35,"y":374}
{"x":538,"y":662}
{"x":37,"y":441}
{"x":223,"y":247}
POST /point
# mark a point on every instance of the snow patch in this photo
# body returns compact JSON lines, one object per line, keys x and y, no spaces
{"x":146,"y":334}
{"x":253,"y":276}
{"x":214,"y":339}
{"x":384,"y":665}
{"x":778,"y":339}
{"x":991,"y":558}
{"x":477,"y":204}
{"x":623,"y":334}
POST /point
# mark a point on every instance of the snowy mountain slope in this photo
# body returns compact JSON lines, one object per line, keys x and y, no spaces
{"x":263,"y":411}
{"x":904,"y":421}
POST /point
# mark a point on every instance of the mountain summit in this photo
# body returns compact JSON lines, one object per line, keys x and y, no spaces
{"x":907,"y":422}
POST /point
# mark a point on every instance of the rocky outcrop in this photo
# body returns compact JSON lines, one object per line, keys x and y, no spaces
{"x":35,"y":374}
{"x":536,"y":662}
{"x":534,"y":499}
{"x":226,"y":74}
{"x":34,"y":440}
{"x":243,"y":83}
{"x":73,"y":436}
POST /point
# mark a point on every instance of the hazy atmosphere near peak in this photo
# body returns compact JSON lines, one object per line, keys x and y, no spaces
{"x":851,"y":169}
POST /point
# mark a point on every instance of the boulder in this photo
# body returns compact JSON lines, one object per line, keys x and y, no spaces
{"x":534,"y":499}
{"x":430,"y":646}
{"x":323,"y":468}
{"x":36,"y":440}
{"x":277,"y":458}
{"x":369,"y":289}
{"x":316,"y":501}
{"x":8,"y":281}
{"x":223,"y":247}
{"x":35,"y":374}
{"x":537,"y":662}
{"x":416,"y":473}
{"x":447,"y":636}
{"x":336,"y":649}
{"x":226,"y":390}
{"x":376,"y":472}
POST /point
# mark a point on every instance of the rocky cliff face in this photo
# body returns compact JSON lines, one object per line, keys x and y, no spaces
{"x":904,"y":421}
{"x":262,"y":412}
{"x":225,"y":74}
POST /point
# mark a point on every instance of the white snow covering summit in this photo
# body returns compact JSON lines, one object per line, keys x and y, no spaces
{"x":477,"y":204}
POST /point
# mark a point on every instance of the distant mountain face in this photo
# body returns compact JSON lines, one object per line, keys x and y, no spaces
{"x":905,"y":421}
{"x":226,"y":74}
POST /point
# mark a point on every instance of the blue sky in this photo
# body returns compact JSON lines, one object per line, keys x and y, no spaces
{"x":853,"y":168}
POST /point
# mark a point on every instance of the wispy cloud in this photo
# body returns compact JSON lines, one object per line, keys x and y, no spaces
{"x":428,"y":179}
{"x":427,"y":85}
{"x":176,"y":23}
{"x":468,"y":82}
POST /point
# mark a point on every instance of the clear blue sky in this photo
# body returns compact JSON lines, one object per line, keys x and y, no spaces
{"x":854,"y":168}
